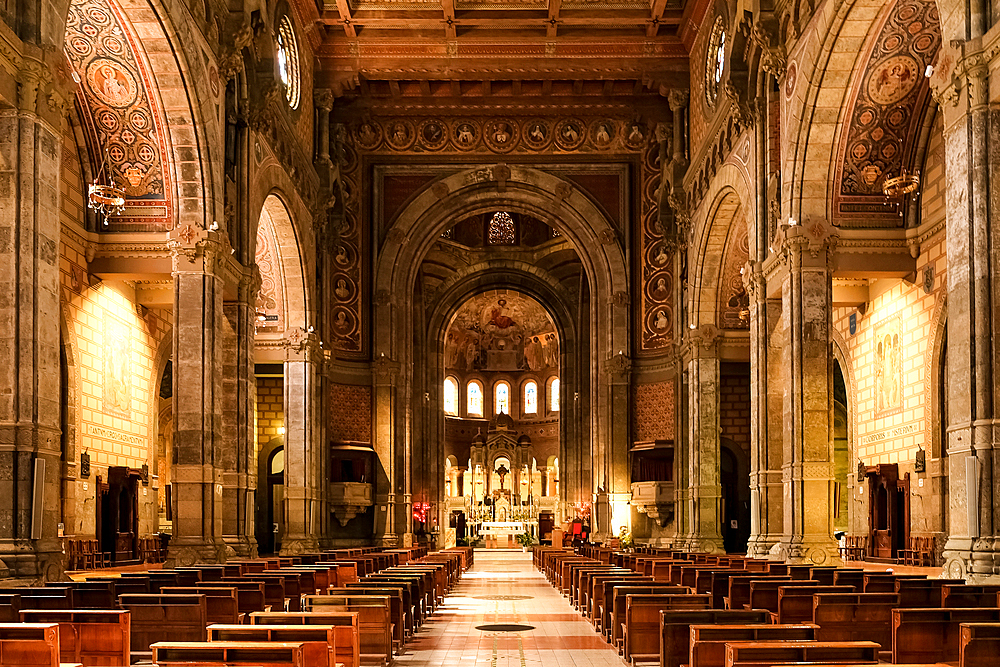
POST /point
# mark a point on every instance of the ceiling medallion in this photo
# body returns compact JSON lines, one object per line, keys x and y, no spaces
{"x":465,"y":135}
{"x":537,"y":134}
{"x":570,"y":134}
{"x":433,"y":135}
{"x":501,"y":135}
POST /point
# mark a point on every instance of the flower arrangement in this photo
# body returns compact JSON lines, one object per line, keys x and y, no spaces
{"x":625,"y":540}
{"x":525,"y":539}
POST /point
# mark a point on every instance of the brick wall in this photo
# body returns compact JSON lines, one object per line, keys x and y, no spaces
{"x":270,"y":408}
{"x":734,"y":408}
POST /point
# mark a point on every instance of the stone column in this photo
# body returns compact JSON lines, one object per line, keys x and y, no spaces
{"x":766,"y":490}
{"x":302,"y":441}
{"x":704,"y":532}
{"x":971,"y":132}
{"x":238,"y":463}
{"x":805,"y":376}
{"x":30,"y":443}
{"x":196,"y":478}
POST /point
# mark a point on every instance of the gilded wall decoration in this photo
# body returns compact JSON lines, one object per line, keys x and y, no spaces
{"x":122,"y":120}
{"x":270,"y":299}
{"x":117,"y":368}
{"x":350,"y":413}
{"x":734,"y":302}
{"x":656,"y":263}
{"x":886,"y":114}
{"x":888,"y":351}
{"x":653,"y":411}
{"x":495,"y":136}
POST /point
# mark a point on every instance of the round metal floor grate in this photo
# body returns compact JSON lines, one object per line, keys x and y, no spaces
{"x":504,"y":627}
{"x":503,"y":597}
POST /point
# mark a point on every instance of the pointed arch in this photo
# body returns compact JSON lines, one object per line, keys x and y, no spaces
{"x":277,"y":234}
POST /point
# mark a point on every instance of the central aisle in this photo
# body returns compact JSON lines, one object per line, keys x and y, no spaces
{"x":560,"y":636}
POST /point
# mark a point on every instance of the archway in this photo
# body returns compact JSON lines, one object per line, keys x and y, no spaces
{"x":594,"y":373}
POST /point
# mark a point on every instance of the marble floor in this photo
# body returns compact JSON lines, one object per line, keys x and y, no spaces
{"x":561,"y":637}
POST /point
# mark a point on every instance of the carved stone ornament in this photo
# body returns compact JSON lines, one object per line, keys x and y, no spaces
{"x":382,"y":298}
{"x":607,"y":236}
{"x":385,"y":370}
{"x":814,"y":236}
{"x":704,"y":336}
{"x":620,"y":299}
{"x":619,"y":366}
{"x":678,"y":98}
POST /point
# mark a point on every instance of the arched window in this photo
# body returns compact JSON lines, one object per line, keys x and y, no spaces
{"x":474,"y":392}
{"x":288,"y":61}
{"x":715,"y":61}
{"x":501,"y":398}
{"x":554,"y":395}
{"x":501,"y":229}
{"x":531,"y":398}
{"x":450,"y":396}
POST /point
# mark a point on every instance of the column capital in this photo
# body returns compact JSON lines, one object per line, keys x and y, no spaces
{"x":302,"y":345}
{"x":195,"y":249}
{"x":250,"y":284}
{"x":619,"y":367}
{"x":323,"y":99}
{"x":812,"y":236}
{"x":678,"y":98}
{"x":385,"y":371}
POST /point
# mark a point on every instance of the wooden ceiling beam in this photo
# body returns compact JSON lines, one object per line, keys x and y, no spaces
{"x":656,"y":17}
{"x":345,"y":18}
{"x":448,"y":8}
{"x":553,"y":29}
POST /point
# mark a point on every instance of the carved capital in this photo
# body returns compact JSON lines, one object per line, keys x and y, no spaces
{"x":619,"y":367}
{"x":323,"y":99}
{"x":196,"y":249}
{"x":678,"y":98}
{"x":302,"y":345}
{"x":812,"y":236}
{"x":385,"y":371}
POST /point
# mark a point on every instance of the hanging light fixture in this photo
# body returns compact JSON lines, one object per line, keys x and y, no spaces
{"x":905,"y":183}
{"x":106,"y":199}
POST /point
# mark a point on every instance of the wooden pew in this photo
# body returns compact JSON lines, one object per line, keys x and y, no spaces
{"x":766,"y":654}
{"x":258,"y":654}
{"x":345,"y":624}
{"x":29,"y":645}
{"x":397,"y":610}
{"x":795,"y":603}
{"x":249,"y":594}
{"x":885,"y":582}
{"x":933,"y":635}
{"x":416,"y":584}
{"x":641,"y":624}
{"x":88,"y":636}
{"x":10,"y":608}
{"x":278,"y":633}
{"x":274,"y":588}
{"x":593,"y":598}
{"x":89,"y":594}
{"x":585,"y":586}
{"x":675,"y":629}
{"x":764,"y":592}
{"x":602,"y":596}
{"x":964,"y":596}
{"x":158,"y":617}
{"x":979,"y":644}
{"x":922,"y":592}
{"x":402,"y":589}
{"x":375,"y":626}
{"x":844,"y":617}
{"x":221,"y":604}
{"x":708,"y":642}
{"x":48,"y":597}
{"x":615,"y":598}
{"x":739,"y":588}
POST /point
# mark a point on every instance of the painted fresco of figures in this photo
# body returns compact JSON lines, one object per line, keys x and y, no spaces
{"x":888,"y":365}
{"x":533,"y":353}
{"x":551,"y":346}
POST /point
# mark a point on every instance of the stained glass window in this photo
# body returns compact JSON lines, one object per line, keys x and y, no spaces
{"x":715,"y":61}
{"x":501,"y":398}
{"x":531,"y":398}
{"x":554,"y":395}
{"x":288,"y":61}
{"x":475,"y":399}
{"x":501,"y":230}
{"x":450,"y":396}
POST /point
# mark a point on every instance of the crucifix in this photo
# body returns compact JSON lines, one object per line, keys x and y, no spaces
{"x":502,"y":471}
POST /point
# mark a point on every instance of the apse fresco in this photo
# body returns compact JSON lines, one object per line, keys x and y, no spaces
{"x":501,"y":332}
{"x":888,"y":366}
{"x":117,"y":368}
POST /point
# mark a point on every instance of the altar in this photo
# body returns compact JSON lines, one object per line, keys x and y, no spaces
{"x":501,"y":534}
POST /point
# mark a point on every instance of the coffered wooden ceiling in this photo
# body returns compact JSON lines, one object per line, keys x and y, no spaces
{"x":506,"y":40}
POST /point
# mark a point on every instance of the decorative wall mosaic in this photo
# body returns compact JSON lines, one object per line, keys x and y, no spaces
{"x":123,"y":123}
{"x":653,"y":411}
{"x":350,"y":413}
{"x":886,"y":114}
{"x":497,"y":136}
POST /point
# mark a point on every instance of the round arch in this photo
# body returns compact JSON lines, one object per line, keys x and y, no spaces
{"x":293,"y":272}
{"x":710,"y":255}
{"x":586,"y":422}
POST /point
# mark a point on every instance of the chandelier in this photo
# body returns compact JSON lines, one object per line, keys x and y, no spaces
{"x":904,"y":184}
{"x":106,"y":199}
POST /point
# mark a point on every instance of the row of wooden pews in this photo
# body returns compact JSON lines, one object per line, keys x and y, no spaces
{"x":347,"y":607}
{"x":704,"y":610}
